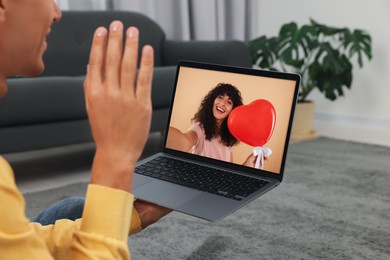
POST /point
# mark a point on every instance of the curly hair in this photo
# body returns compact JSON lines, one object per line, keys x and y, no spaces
{"x":205,"y":116}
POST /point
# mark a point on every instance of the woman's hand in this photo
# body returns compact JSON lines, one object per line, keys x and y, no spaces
{"x":118,"y":104}
{"x":251,"y":161}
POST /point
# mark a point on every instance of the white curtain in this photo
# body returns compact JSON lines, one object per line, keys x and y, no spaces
{"x":172,"y":15}
{"x":84,"y":4}
{"x":199,"y":19}
{"x":187,"y":19}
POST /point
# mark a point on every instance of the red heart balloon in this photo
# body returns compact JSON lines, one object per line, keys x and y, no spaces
{"x":254,"y":123}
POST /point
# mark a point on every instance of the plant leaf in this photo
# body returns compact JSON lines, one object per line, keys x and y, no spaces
{"x":295,"y":44}
{"x":326,"y":30}
{"x":330,"y":58}
{"x":329,"y":78}
{"x":358,"y":43}
{"x":263,"y":52}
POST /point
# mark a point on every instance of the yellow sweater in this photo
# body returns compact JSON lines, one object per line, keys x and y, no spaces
{"x":101,"y":233}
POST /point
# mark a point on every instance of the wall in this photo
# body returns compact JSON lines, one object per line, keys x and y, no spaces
{"x":366,"y":107}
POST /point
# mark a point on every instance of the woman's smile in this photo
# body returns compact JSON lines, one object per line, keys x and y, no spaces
{"x":220,"y":109}
{"x":223,"y":105}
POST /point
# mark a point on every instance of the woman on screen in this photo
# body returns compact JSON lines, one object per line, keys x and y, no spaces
{"x":209,"y":136}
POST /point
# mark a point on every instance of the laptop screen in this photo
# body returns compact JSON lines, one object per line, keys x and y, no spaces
{"x":235,"y":115}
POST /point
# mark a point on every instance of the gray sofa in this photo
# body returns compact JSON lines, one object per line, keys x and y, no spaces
{"x":48,"y":113}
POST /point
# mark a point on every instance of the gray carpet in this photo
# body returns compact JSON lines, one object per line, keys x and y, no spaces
{"x":334,"y":203}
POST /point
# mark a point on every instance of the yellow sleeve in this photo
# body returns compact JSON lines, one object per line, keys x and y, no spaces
{"x":58,"y":237}
{"x":107,"y":220}
{"x":101,"y":233}
{"x":18,"y":240}
{"x":135,"y":223}
{"x":104,"y":225}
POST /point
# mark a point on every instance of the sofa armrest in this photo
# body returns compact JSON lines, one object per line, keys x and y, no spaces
{"x":234,"y":53}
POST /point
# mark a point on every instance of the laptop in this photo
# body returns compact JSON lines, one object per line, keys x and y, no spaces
{"x":218,"y":178}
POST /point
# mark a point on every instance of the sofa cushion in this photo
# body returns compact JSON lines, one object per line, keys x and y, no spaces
{"x":56,"y":99}
{"x":70,"y":40}
{"x":231,"y":52}
{"x":42,"y":100}
{"x":41,"y":136}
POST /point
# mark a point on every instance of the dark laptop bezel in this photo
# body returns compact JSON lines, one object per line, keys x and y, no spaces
{"x":220,"y":163}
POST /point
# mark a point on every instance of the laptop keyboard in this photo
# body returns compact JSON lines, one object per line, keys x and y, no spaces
{"x":215,"y":181}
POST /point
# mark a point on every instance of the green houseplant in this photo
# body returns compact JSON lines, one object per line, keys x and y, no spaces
{"x":322,"y":55}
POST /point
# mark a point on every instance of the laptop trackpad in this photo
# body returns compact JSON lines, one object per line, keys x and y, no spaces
{"x":165,"y":194}
{"x":140,"y":180}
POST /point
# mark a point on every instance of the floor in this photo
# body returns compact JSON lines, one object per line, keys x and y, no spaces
{"x":46,"y":169}
{"x":52,"y":170}
{"x":368,"y":135}
{"x":40,"y":183}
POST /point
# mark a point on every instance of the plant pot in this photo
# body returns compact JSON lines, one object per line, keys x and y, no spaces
{"x":302,"y":128}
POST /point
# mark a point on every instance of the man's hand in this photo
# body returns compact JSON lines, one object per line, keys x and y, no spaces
{"x":149,"y":213}
{"x":118,"y":104}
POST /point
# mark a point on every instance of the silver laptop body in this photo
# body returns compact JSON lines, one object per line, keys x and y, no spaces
{"x":192,"y":79}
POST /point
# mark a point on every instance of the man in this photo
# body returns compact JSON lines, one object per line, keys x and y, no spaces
{"x":119,"y":109}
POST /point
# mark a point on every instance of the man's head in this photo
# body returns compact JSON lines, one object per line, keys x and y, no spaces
{"x":24,"y":25}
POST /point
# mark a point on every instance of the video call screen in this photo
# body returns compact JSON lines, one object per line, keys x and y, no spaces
{"x":231,"y":117}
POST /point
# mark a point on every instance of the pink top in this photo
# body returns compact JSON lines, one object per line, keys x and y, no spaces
{"x":213,"y":148}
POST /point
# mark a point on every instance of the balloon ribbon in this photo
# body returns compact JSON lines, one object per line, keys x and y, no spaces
{"x":261,"y":152}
